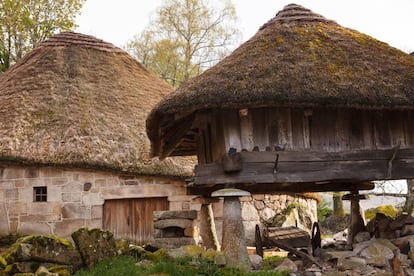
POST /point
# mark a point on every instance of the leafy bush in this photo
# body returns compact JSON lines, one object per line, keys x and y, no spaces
{"x":323,"y":210}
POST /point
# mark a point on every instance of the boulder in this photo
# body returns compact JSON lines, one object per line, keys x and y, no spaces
{"x":351,"y":263}
{"x":94,"y":245}
{"x":407,"y":229}
{"x":256,"y":261}
{"x":341,"y":236}
{"x":287,"y":264}
{"x":400,"y":221}
{"x":43,"y":271}
{"x":403,"y":243}
{"x":377,"y":252}
{"x":43,"y":250}
{"x":382,"y":227}
{"x":361,"y":237}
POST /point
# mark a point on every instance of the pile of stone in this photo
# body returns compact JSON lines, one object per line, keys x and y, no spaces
{"x":173,"y":229}
{"x":385,"y":248}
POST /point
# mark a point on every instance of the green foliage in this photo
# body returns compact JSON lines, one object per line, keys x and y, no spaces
{"x":388,"y":210}
{"x":121,"y":265}
{"x":25,"y":23}
{"x":338,"y":204}
{"x":186,"y":266}
{"x":280,"y":218}
{"x":323,"y":210}
{"x":185,"y":38}
{"x":270,"y":263}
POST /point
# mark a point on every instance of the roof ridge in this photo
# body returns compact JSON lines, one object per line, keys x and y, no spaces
{"x":296,"y":13}
{"x":73,"y":38}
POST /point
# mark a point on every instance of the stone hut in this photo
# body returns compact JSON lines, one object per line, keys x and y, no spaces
{"x":73,"y":147}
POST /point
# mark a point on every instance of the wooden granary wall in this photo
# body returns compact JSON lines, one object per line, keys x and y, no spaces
{"x":306,"y":129}
{"x":308,"y":144}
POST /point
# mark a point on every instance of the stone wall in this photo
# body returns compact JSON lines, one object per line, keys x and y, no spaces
{"x":261,"y":209}
{"x":75,"y":197}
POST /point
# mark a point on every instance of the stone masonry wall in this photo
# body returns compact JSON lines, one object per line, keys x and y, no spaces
{"x":261,"y":209}
{"x":75,"y":197}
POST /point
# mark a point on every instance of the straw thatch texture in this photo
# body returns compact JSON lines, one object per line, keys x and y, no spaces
{"x":298,"y":58}
{"x":78,"y":101}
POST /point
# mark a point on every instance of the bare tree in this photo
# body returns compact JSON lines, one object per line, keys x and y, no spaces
{"x":185,"y":38}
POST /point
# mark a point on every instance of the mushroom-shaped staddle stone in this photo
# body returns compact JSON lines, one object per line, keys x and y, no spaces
{"x":230,"y":192}
{"x":233,"y":238}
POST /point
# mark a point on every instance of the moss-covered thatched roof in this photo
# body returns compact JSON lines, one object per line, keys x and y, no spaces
{"x":79,"y":101}
{"x":298,"y":58}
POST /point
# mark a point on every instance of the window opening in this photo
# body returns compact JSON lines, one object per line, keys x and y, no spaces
{"x":39,"y":194}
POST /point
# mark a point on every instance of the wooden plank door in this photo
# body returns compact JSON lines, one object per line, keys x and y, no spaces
{"x":132,"y":218}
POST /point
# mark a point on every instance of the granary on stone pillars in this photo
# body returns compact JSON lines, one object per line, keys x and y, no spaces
{"x":304,"y":105}
{"x":73,"y":147}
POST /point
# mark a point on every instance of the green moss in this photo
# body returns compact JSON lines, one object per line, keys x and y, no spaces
{"x":280,"y":40}
{"x":271,"y":262}
{"x":3,"y":262}
{"x":61,"y":270}
{"x":8,"y":255}
{"x":8,"y":268}
{"x":280,"y":218}
{"x":158,"y":255}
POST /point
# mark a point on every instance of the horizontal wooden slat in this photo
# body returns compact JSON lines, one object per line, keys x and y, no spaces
{"x":296,"y":167}
{"x":300,"y":156}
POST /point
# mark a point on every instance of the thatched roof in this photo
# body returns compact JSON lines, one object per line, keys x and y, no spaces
{"x":79,"y":101}
{"x":298,"y":58}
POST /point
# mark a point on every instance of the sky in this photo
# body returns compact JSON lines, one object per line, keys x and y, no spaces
{"x":117,"y":21}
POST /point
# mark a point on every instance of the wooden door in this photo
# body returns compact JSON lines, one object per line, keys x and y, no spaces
{"x":132,"y":218}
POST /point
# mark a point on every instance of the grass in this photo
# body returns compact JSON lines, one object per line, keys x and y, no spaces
{"x":128,"y":265}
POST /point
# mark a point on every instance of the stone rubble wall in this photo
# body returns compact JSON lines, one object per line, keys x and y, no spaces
{"x":262,"y":208}
{"x":75,"y":197}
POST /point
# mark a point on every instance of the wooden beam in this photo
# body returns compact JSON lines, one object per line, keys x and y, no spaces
{"x":294,"y":167}
{"x":173,"y":135}
{"x":285,"y":187}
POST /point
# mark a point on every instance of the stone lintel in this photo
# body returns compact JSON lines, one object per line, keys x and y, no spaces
{"x":181,"y":223}
{"x":184,"y":214}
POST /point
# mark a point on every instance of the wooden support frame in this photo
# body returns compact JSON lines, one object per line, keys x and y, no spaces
{"x":284,"y":187}
{"x":305,"y":167}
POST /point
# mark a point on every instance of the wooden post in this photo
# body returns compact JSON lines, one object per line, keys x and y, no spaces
{"x":356,"y":223}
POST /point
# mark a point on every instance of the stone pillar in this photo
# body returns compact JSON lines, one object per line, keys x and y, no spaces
{"x":233,"y":242}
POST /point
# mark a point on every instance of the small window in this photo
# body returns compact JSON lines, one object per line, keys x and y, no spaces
{"x":39,"y":194}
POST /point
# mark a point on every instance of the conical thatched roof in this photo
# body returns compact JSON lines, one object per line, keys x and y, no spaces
{"x":79,"y":101}
{"x":298,"y":58}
